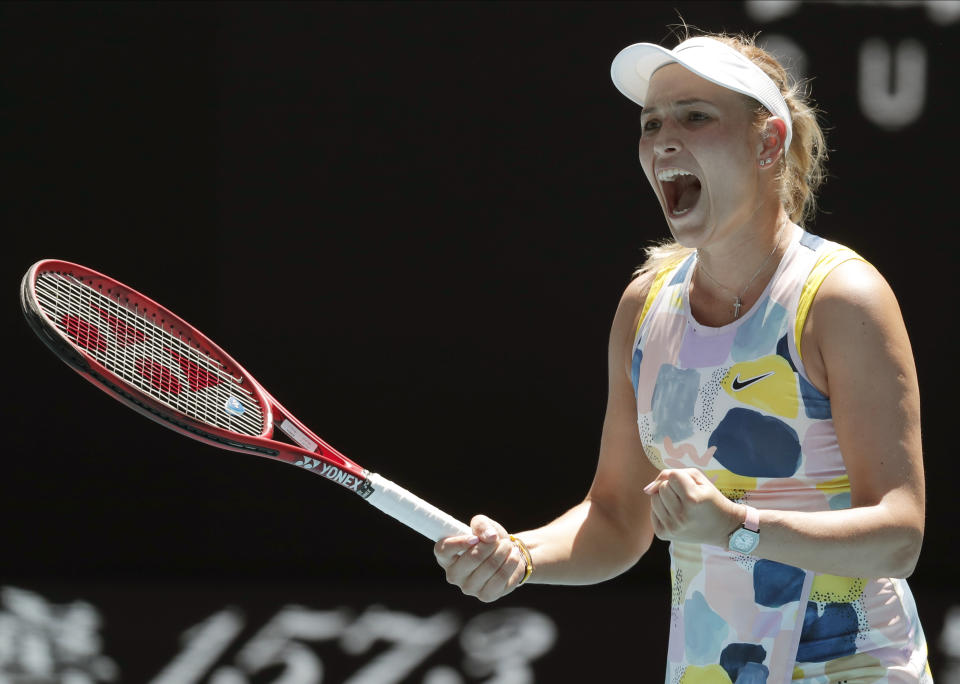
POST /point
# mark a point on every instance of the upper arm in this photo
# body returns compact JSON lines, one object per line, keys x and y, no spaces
{"x":857,"y":351}
{"x":623,"y":468}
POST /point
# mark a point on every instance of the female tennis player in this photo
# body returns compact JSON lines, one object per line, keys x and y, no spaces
{"x":763,"y":411}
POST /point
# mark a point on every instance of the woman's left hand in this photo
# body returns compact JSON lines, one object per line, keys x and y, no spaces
{"x":687,"y":507}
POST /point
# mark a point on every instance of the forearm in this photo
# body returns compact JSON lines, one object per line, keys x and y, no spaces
{"x":866,"y":541}
{"x":585,"y":545}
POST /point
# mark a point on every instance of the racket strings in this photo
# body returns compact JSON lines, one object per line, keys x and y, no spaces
{"x":134,"y":346}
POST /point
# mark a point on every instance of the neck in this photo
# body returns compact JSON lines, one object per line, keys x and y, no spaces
{"x":738,"y":248}
{"x":730,"y":276}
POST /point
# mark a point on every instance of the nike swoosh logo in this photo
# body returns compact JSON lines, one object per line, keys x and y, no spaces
{"x":739,"y":385}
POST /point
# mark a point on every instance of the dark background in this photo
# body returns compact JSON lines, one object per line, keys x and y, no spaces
{"x":412,"y":223}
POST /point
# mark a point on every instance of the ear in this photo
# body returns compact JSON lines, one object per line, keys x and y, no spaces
{"x":771,"y":141}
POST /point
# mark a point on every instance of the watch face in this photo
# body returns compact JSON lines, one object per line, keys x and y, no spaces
{"x":744,"y":541}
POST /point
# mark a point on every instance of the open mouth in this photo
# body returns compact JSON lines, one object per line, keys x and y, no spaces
{"x":681,"y":190}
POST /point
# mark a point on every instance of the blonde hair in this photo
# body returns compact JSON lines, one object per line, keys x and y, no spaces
{"x":802,"y":169}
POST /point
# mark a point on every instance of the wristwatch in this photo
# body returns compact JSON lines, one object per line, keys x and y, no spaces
{"x":745,"y":539}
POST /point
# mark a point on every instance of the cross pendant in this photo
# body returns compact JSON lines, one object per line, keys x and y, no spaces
{"x":736,"y":308}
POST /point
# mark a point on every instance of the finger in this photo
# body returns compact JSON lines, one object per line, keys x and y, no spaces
{"x":506,"y":578}
{"x":698,"y":477}
{"x":657,"y":482}
{"x":461,"y":569}
{"x":447,"y":550}
{"x":663,"y":514}
{"x":474,"y":584}
{"x":692,"y":486}
{"x":656,"y":518}
{"x":705,"y":487}
{"x":687,"y":479}
{"x":669,"y":499}
{"x":487,"y":529}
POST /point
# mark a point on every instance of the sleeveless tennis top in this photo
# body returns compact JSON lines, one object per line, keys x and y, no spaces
{"x":736,"y":403}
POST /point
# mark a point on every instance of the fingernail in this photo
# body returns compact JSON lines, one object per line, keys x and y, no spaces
{"x":649,"y":487}
{"x":473,"y":540}
{"x":489,"y":535}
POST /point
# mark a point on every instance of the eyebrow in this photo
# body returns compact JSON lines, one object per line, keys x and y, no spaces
{"x":653,"y":108}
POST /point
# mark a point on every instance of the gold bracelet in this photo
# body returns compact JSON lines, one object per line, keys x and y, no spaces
{"x":526,"y":556}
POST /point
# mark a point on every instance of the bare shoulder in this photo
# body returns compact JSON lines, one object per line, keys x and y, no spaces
{"x":633,"y":298}
{"x":625,"y":321}
{"x":852,"y":296}
{"x":855,"y":314}
{"x":854,"y":281}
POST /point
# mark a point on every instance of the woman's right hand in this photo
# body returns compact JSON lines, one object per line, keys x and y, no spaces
{"x":485,"y":564}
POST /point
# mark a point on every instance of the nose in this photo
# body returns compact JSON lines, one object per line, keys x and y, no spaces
{"x":668,"y":140}
{"x":665,"y":149}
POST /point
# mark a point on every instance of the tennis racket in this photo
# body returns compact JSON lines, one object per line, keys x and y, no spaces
{"x":154,"y":362}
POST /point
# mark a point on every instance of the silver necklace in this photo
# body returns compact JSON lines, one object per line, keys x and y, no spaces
{"x":738,"y":298}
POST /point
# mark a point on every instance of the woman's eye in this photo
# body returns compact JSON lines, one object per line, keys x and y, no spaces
{"x":697,"y":116}
{"x":650,"y":125}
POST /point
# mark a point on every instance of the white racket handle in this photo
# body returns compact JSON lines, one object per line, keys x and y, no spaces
{"x":413,"y":511}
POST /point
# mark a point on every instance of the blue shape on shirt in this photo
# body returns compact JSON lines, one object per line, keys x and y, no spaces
{"x":705,"y":631}
{"x":635,"y":369}
{"x":840,"y":502}
{"x":735,"y":656}
{"x":829,"y":635}
{"x":760,"y":332}
{"x":811,"y":241}
{"x":815,"y":403}
{"x":674,"y":398}
{"x":775,"y":584}
{"x":753,"y":673}
{"x":752,"y":444}
{"x":681,"y":273}
{"x":783,"y":349}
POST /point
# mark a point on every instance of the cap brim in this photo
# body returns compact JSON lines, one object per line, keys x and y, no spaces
{"x":634,"y":65}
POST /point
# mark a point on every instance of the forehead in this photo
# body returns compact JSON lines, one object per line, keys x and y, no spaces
{"x":674,"y":82}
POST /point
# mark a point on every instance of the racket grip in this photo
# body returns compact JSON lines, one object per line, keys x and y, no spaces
{"x":413,"y":511}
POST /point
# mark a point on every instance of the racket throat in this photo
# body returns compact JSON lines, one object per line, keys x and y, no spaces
{"x":340,"y":475}
{"x":297,"y":435}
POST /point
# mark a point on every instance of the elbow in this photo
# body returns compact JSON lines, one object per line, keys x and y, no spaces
{"x":904,"y":558}
{"x":624,"y":530}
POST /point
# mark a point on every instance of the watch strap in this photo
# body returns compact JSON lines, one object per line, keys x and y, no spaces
{"x":752,"y":521}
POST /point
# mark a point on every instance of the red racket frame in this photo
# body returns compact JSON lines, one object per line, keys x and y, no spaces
{"x":93,"y":371}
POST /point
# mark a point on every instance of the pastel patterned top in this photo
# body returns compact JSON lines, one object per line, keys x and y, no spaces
{"x":736,"y":403}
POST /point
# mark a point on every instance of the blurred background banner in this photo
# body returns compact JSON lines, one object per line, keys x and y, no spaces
{"x":412,"y":222}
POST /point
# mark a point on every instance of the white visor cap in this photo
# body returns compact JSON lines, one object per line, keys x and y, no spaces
{"x":717,"y":62}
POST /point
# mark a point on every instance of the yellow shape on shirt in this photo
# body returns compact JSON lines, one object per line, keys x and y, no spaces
{"x":731,"y":485}
{"x":677,"y":302}
{"x":710,"y":674}
{"x":653,"y":455}
{"x":767,"y":383}
{"x":862,"y":668}
{"x":838,"y":485}
{"x":835,"y":589}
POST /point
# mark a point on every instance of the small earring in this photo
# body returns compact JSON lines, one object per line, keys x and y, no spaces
{"x":762,"y":162}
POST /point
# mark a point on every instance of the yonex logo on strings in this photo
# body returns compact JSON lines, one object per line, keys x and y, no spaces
{"x":92,"y":338}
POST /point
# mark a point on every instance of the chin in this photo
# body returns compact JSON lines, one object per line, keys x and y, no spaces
{"x":692,"y":235}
